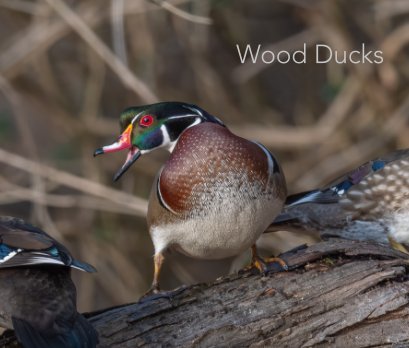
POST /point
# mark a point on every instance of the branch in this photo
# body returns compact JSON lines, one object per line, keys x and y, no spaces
{"x":182,"y":14}
{"x":337,"y":293}
{"x":84,"y":31}
{"x":138,"y":205}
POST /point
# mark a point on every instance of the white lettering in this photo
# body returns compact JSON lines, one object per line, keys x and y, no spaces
{"x":302,"y":53}
{"x":248,"y":51}
{"x":265,"y":60}
{"x":317,"y":53}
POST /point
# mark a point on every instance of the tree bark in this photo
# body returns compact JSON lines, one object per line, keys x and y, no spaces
{"x":337,"y":293}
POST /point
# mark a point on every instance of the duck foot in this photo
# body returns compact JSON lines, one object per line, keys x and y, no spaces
{"x":269,"y":264}
{"x":265,"y":265}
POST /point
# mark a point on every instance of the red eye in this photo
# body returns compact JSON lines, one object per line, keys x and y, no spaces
{"x":146,"y":121}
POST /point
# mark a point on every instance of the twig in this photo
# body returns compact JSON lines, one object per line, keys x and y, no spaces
{"x":28,"y":7}
{"x":396,"y":41}
{"x":39,"y":37}
{"x":291,"y":137}
{"x":122,"y":71}
{"x":131,"y":202}
{"x":38,"y":188}
{"x":354,"y":155}
{"x":386,"y":9}
{"x":182,"y":14}
{"x":118,"y":33}
{"x":17,"y":194}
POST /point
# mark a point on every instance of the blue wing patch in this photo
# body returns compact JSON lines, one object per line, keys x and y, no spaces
{"x":53,"y":251}
{"x":6,"y":251}
{"x":377,"y":165}
{"x":332,"y":193}
{"x":343,"y":187}
{"x":356,"y":176}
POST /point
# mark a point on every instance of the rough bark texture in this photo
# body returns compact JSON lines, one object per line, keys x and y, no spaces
{"x":337,"y":293}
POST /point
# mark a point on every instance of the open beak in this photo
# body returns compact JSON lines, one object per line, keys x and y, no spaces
{"x":124,"y":142}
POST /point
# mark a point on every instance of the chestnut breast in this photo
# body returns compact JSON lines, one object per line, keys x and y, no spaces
{"x":208,"y":160}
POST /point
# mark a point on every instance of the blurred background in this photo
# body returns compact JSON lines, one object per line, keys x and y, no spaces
{"x":68,"y":68}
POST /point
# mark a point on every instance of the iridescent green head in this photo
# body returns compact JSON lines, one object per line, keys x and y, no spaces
{"x":148,"y":127}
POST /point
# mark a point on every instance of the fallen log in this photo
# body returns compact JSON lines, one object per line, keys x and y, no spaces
{"x":337,"y":293}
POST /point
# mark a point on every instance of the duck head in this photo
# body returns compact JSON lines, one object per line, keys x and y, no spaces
{"x":148,"y":127}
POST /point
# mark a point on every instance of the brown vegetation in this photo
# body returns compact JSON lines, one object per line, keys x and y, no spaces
{"x":68,"y":68}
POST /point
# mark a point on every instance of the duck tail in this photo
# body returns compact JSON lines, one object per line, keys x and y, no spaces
{"x":81,"y":335}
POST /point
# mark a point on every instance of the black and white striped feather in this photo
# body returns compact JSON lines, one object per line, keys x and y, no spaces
{"x":22,"y":244}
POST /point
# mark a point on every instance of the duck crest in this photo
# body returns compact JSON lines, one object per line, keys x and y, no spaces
{"x":207,"y":163}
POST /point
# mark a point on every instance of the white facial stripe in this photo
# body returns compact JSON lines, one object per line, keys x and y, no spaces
{"x":191,"y":108}
{"x":170,"y":145}
{"x":135,"y":117}
{"x":201,"y":113}
{"x":170,"y":118}
{"x":181,"y":116}
{"x":197,"y":121}
{"x":166,"y":138}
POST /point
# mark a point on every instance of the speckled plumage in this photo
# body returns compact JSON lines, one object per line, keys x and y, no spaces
{"x":205,"y":156}
{"x":369,"y":203}
{"x":219,"y":194}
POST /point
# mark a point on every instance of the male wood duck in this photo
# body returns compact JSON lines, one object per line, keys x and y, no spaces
{"x":217,"y":192}
{"x":369,"y":203}
{"x":38,"y":297}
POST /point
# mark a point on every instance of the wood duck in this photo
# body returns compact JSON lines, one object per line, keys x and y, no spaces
{"x":368,"y":203}
{"x":38,"y":297}
{"x":217,"y":192}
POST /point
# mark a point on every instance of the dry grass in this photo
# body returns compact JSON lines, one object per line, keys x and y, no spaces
{"x":67,"y":68}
